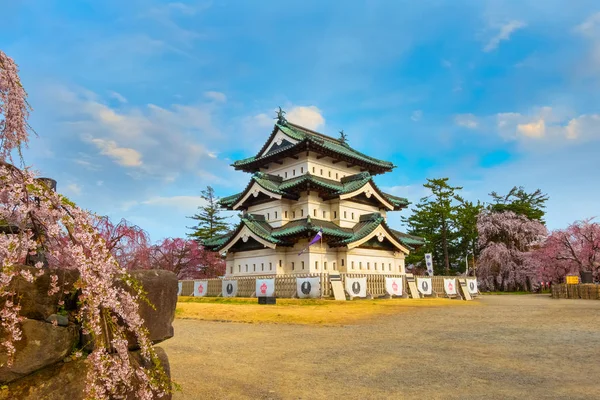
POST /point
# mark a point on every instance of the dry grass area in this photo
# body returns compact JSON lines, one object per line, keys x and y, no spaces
{"x":505,"y":347}
{"x":301,"y":311}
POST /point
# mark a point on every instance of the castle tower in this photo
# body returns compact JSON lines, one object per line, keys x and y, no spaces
{"x":304,"y":182}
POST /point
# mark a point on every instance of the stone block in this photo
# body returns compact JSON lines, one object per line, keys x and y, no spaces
{"x":42,"y":344}
{"x":65,"y":381}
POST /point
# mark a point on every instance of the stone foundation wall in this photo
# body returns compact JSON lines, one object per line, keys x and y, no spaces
{"x":43,"y":367}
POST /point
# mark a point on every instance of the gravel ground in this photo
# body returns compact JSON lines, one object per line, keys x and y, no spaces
{"x":509,"y":347}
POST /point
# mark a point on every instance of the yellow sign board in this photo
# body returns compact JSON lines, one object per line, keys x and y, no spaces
{"x":572,"y":279}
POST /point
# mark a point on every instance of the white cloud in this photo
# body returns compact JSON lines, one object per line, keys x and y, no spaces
{"x":535,"y":129}
{"x":307,"y":116}
{"x":73,"y":189}
{"x":118,"y":96}
{"x":503,"y":34}
{"x":122,"y":155}
{"x":216,"y":96}
{"x":185,"y":203}
{"x":467,"y":121}
{"x":99,"y":183}
{"x":416,"y":115}
{"x":160,"y":142}
{"x":591,"y":26}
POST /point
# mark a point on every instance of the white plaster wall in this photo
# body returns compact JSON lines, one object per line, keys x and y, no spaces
{"x":317,"y":259}
{"x":323,"y":167}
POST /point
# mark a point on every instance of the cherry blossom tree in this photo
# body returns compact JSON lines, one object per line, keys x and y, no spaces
{"x":186,"y":258}
{"x":506,"y":261}
{"x":129,"y":244}
{"x":572,"y":250}
{"x":43,"y":221}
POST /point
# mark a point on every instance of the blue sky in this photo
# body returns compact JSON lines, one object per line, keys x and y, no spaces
{"x":139,"y":105}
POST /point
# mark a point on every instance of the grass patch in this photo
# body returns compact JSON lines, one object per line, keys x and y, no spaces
{"x":301,"y":311}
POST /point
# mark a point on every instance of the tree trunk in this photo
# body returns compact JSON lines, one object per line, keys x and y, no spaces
{"x":445,"y":246}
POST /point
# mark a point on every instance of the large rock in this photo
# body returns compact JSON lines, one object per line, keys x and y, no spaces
{"x":64,"y":381}
{"x":161,"y":288}
{"x":42,"y":344}
{"x":33,"y":297}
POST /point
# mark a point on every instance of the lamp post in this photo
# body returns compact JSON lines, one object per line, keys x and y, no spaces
{"x":467,"y":262}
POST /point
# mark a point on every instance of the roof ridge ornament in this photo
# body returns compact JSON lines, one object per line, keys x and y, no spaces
{"x":343,"y":137}
{"x":280,"y":117}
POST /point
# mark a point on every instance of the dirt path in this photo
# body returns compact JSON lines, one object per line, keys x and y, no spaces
{"x":509,"y":347}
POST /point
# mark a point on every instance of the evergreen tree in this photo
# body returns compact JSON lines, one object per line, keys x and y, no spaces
{"x":210,"y":222}
{"x":530,"y":205}
{"x":434,"y":219}
{"x":466,"y":228}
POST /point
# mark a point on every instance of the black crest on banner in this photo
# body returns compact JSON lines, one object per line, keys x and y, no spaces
{"x":229,"y":288}
{"x":472,"y":285}
{"x":425,"y":285}
{"x":356,"y":288}
{"x":305,"y":287}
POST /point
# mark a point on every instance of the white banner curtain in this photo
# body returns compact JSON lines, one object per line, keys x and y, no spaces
{"x":450,"y":286}
{"x":424,"y":285}
{"x":200,"y":288}
{"x":393,"y":286}
{"x":472,"y":285}
{"x":356,"y":287}
{"x":308,"y":288}
{"x":179,"y":288}
{"x":229,"y":288}
{"x":265,"y":287}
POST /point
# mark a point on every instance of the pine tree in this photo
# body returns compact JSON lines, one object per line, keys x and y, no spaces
{"x":530,"y":205}
{"x":434,"y":219}
{"x":210,"y":222}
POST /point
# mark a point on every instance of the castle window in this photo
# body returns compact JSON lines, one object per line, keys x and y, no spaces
{"x":345,"y":215}
{"x":285,"y":214}
{"x":375,"y":266}
{"x":301,"y":170}
{"x":336,"y":175}
{"x":246,"y":267}
{"x":321,"y":172}
{"x":334,"y":214}
{"x":294,"y":172}
{"x":342,"y":262}
{"x":302,"y":212}
{"x":293,"y":214}
{"x":313,"y":170}
{"x":360,"y":265}
{"x":254,"y":266}
{"x":368,"y":265}
{"x":270,"y":266}
{"x":231,"y":270}
{"x":286,"y":174}
{"x":390,"y":266}
{"x":262,"y":266}
{"x":330,"y":174}
{"x":268,"y":216}
{"x":352,"y":266}
{"x":317,"y":265}
{"x":325,"y":265}
{"x":280,"y":263}
{"x":324,"y":214}
{"x":293,"y":266}
{"x":239,"y":268}
{"x":302,"y":264}
{"x":275,"y":214}
{"x":334,"y":265}
{"x":315,"y":212}
{"x":352,"y":216}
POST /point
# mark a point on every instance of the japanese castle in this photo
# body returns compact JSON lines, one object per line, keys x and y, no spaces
{"x":304,"y":185}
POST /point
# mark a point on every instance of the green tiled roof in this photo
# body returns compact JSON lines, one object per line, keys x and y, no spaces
{"x":337,"y":236}
{"x":414,"y":241}
{"x":277,"y":185}
{"x":305,"y":136}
